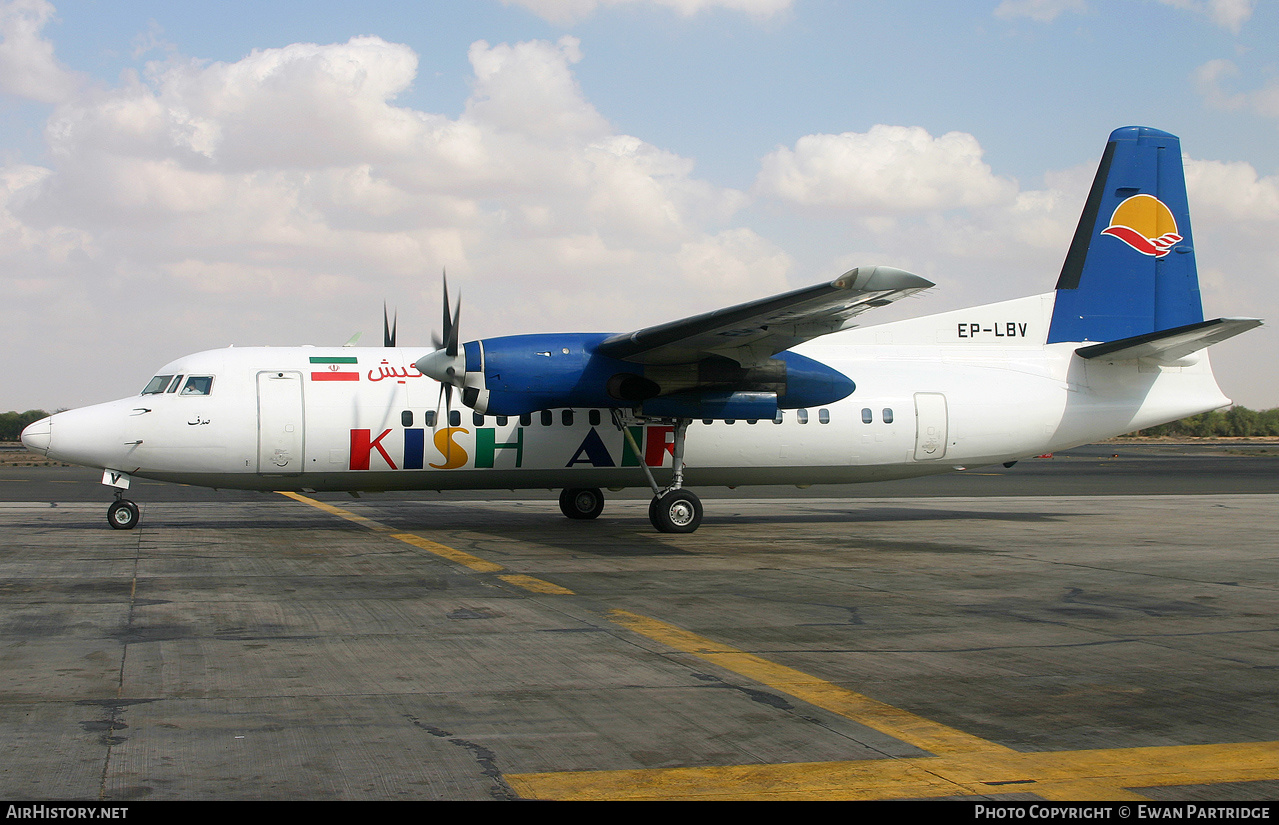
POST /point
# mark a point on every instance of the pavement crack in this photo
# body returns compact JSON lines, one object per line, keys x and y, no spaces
{"x":486,"y":758}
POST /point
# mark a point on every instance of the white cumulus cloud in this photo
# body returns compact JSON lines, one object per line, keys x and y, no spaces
{"x":28,"y":67}
{"x":889,"y":169}
{"x":1229,"y":14}
{"x":281,"y":197}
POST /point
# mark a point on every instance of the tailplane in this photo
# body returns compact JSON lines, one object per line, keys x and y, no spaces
{"x":1131,"y":268}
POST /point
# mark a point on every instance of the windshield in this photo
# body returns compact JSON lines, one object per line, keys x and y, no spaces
{"x":157,"y":385}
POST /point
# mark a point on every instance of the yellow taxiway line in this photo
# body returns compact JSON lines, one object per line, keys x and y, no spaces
{"x":467,"y":560}
{"x":960,"y":765}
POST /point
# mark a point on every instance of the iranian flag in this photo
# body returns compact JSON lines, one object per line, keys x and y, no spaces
{"x":339,"y":368}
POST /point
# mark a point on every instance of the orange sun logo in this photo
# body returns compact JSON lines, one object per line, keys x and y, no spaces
{"x":1144,"y":223}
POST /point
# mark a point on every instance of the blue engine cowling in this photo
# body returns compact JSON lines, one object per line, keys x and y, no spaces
{"x":520,"y":374}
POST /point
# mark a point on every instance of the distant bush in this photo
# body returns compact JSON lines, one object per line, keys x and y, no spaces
{"x":13,"y":423}
{"x":1236,"y":422}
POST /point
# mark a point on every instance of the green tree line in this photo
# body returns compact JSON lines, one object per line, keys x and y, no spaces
{"x":12,"y":423}
{"x":1237,"y":422}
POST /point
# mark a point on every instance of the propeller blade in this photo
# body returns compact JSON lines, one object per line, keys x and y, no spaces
{"x":388,"y":327}
{"x":453,"y":329}
{"x":446,"y":393}
{"x":448,"y":326}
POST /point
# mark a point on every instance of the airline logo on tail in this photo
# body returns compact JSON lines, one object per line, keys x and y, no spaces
{"x":1146,"y":224}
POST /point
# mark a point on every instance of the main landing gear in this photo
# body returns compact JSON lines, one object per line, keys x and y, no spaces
{"x":670,"y":511}
{"x":673,"y":509}
{"x":122,"y":514}
{"x":581,"y":502}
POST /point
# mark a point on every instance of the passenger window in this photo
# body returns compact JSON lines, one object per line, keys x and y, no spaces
{"x":406,"y":418}
{"x":802,"y":416}
{"x":823,"y":416}
{"x":477,"y":419}
{"x":867,"y":415}
{"x":501,"y":421}
{"x":526,"y":420}
{"x":198,"y":385}
{"x":730,"y":420}
{"x":752,"y":421}
{"x":566,"y":417}
{"x":548,"y":418}
{"x":888,"y":415}
{"x":777,"y":419}
{"x":430,"y":418}
{"x":594,"y":417}
{"x":708,"y":421}
{"x":157,"y":385}
{"x":455,"y":418}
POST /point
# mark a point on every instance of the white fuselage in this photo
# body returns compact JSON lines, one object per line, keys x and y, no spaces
{"x":961,"y":389}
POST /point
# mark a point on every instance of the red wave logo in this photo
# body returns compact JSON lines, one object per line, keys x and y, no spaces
{"x":1146,"y":224}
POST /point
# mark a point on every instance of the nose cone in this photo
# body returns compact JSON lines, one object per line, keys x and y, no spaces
{"x":92,"y":436}
{"x":36,"y":436}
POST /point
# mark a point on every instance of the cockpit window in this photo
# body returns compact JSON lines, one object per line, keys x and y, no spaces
{"x":157,"y":385}
{"x":198,"y":385}
{"x":174,"y":386}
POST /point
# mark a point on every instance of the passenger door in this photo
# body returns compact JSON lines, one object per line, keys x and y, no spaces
{"x":930,"y":426}
{"x":280,"y":423}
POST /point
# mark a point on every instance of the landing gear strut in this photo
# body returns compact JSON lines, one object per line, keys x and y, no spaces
{"x":122,"y":514}
{"x":673,"y":509}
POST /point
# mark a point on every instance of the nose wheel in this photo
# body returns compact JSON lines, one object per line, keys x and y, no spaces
{"x":123,"y":514}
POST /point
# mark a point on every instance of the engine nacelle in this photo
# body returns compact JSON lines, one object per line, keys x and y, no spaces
{"x":520,"y":374}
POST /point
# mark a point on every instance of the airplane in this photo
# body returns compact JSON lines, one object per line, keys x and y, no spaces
{"x":788,"y":389}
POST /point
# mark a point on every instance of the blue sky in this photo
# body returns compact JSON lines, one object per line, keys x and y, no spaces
{"x":178,"y":176}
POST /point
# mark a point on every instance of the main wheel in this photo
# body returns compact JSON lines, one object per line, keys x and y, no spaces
{"x":678,"y":511}
{"x":581,"y":502}
{"x":122,"y":514}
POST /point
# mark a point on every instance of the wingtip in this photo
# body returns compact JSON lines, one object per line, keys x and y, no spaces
{"x":881,"y":278}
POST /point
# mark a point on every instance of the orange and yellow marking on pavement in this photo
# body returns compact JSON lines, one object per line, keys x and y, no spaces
{"x":960,"y":765}
{"x":443,"y":551}
{"x":1056,"y":776}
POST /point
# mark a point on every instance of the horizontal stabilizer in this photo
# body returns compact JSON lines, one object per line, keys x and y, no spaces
{"x":1168,"y":345}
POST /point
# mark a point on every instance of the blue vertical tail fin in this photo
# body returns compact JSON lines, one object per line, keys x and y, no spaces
{"x":1131,"y":268}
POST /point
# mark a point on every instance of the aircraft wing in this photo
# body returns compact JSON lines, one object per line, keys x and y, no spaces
{"x":754,"y":331}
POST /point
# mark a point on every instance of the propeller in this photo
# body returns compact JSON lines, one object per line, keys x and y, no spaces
{"x":445,"y":364}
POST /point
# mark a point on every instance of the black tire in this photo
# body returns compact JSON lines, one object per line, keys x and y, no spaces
{"x":581,"y":502}
{"x":678,"y":511}
{"x":123,"y":514}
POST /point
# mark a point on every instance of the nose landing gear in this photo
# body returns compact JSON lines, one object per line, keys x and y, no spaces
{"x":122,"y":514}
